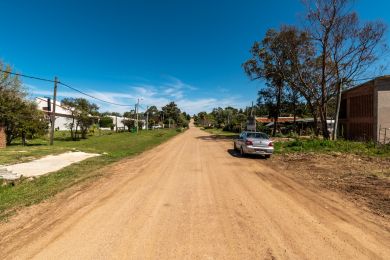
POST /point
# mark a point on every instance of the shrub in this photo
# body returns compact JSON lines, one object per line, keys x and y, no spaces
{"x":106,"y":122}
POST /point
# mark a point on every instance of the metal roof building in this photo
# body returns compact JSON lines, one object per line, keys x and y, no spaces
{"x":365,"y":111}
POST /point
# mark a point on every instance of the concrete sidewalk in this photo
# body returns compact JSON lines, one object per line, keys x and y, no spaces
{"x":47,"y":164}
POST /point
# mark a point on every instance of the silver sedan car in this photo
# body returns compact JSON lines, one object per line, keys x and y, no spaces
{"x":254,"y":143}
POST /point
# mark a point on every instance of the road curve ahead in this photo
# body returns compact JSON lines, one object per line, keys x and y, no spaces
{"x":193,"y":198}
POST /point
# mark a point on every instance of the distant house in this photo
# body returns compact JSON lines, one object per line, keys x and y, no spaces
{"x":64,"y":116}
{"x":281,"y":119}
{"x":365,"y":111}
{"x":303,"y":125}
{"x":119,"y":125}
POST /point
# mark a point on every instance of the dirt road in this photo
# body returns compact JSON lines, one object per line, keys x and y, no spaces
{"x":192,"y":198}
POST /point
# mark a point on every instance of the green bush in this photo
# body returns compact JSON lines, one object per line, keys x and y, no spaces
{"x":106,"y":122}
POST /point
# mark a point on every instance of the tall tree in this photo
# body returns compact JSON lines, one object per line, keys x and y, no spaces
{"x":276,"y":59}
{"x":171,"y":112}
{"x":273,"y":96}
{"x":334,"y":49}
{"x":153,"y":115}
{"x":347,"y":47}
{"x":83,"y":113}
{"x":19,"y":116}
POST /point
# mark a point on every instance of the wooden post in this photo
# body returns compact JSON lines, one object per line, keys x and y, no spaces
{"x":3,"y":137}
{"x":53,"y":113}
{"x":336,"y":119}
{"x":147,"y":118}
{"x":137,"y":115}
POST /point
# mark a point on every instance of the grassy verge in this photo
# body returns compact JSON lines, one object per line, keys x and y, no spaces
{"x":312,"y":145}
{"x":328,"y":146}
{"x":36,"y":148}
{"x":115,"y":146}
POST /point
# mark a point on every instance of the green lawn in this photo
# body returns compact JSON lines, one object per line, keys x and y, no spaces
{"x":115,"y":145}
{"x":105,"y":141}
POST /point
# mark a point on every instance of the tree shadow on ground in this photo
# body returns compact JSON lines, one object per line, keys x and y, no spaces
{"x":27,"y":145}
{"x":217,"y":137}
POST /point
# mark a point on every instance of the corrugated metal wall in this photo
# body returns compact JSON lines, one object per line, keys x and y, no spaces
{"x":361,"y":106}
{"x":357,"y":113}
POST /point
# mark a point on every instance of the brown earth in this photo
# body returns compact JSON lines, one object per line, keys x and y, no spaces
{"x":363,"y":180}
{"x":193,"y":198}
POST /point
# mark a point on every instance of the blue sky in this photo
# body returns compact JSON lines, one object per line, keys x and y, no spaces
{"x":189,"y":52}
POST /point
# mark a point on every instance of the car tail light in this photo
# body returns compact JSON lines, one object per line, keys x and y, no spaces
{"x":271,"y":144}
{"x":248,"y":142}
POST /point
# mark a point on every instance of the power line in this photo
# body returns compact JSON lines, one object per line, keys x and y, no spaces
{"x":27,"y":76}
{"x":141,"y":106}
{"x":88,"y":95}
{"x":66,"y":85}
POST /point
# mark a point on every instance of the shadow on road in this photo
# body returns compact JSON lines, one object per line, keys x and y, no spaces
{"x":217,"y":137}
{"x":237,"y":154}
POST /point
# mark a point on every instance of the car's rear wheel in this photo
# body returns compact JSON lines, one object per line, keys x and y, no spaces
{"x":267,"y":156}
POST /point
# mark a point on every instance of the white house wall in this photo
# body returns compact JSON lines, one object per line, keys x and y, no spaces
{"x":62,"y":118}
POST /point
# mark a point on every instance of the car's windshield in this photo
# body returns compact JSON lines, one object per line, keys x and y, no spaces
{"x":257,"y":135}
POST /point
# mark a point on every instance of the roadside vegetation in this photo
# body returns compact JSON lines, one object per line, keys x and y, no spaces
{"x":316,"y":145}
{"x":220,"y":133}
{"x":113,"y":147}
{"x":98,"y":142}
{"x":299,"y":144}
{"x":18,"y":115}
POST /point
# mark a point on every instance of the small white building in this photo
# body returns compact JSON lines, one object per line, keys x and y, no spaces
{"x":63,"y":116}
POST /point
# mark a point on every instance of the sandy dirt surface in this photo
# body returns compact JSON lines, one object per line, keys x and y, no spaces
{"x":363,"y":180}
{"x":47,"y":164}
{"x":193,"y":198}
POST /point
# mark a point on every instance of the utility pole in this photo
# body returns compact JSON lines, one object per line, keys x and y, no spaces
{"x":147,"y":118}
{"x":53,"y":113}
{"x":338,"y":104}
{"x":136,"y":111}
{"x":135,"y":114}
{"x":253,"y":117}
{"x":163,"y":120}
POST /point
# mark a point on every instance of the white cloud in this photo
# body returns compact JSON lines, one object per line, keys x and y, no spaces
{"x":159,"y":95}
